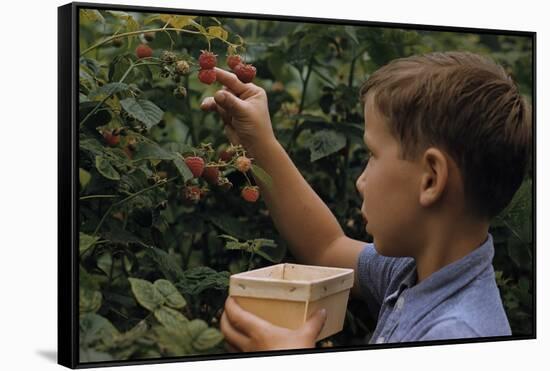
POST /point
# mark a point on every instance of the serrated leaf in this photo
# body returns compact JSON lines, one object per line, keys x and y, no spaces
{"x":143,"y":110}
{"x":172,"y":297}
{"x":177,"y":21}
{"x":324,"y":143}
{"x":183,"y":169}
{"x":108,"y":90}
{"x":91,"y":16}
{"x":175,"y":343}
{"x":84,"y":177}
{"x":151,"y":151}
{"x":207,"y":339}
{"x":217,"y":31}
{"x":196,"y":327}
{"x":171,"y":319}
{"x":262,"y":175}
{"x":89,"y":301}
{"x":105,"y":262}
{"x":86,"y":241}
{"x":106,"y":169}
{"x":146,"y":294}
{"x":94,"y":327}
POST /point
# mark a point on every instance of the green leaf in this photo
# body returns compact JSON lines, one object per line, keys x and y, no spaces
{"x":106,"y":169}
{"x":171,"y":319}
{"x":143,"y":110}
{"x":172,"y":297}
{"x":151,"y":151}
{"x":146,"y":294}
{"x":94,"y":327}
{"x":268,"y":250}
{"x":230,"y":225}
{"x":196,"y":327}
{"x":198,"y":279}
{"x":262,"y":175}
{"x":108,"y":90}
{"x":207,"y":339}
{"x":89,"y":300}
{"x":84,"y":177}
{"x":166,"y":264}
{"x":105,"y":262}
{"x":92,"y":355}
{"x":176,"y":343}
{"x":324,"y":143}
{"x":86,"y":241}
{"x":183,"y":169}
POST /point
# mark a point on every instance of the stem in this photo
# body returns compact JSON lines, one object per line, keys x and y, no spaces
{"x":94,"y":110}
{"x":302,"y":102}
{"x":96,"y":196}
{"x":163,"y":182}
{"x":110,"y":38}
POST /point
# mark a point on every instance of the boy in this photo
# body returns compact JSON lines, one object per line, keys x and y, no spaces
{"x":449,"y":137}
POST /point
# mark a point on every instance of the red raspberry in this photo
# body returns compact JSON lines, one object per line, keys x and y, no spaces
{"x":233,"y":61}
{"x":243,"y":163}
{"x":195,"y":164}
{"x":226,"y":155}
{"x":191,"y":194}
{"x":111,"y":138}
{"x":144,"y":51}
{"x":207,"y":76}
{"x":245,"y":72}
{"x":250,"y":193}
{"x":211,"y":174}
{"x":207,"y":60}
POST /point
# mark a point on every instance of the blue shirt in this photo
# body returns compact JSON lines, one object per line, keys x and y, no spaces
{"x":461,"y":300}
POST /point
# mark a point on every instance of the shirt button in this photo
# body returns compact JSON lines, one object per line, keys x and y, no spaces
{"x":400,"y":302}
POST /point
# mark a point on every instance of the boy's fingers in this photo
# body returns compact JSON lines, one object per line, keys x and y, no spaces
{"x":244,"y":321}
{"x":229,"y":101}
{"x":315,"y":323}
{"x":231,"y":81}
{"x":233,"y":337}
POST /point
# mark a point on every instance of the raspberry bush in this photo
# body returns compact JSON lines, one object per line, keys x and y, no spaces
{"x":168,"y":209}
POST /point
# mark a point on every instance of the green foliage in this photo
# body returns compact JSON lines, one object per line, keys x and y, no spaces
{"x":154,"y":268}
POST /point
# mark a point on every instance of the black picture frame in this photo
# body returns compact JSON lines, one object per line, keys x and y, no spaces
{"x":68,"y":169}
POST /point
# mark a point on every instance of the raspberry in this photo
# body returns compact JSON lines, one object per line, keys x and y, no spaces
{"x":226,"y":155}
{"x":245,"y":72}
{"x":211,"y":174}
{"x":250,"y":193}
{"x":207,"y":60}
{"x":191,"y":194}
{"x":195,"y":164}
{"x":111,"y":138}
{"x":182,"y":67}
{"x":233,"y":61}
{"x":207,"y":76}
{"x":144,"y":51}
{"x":243,"y":163}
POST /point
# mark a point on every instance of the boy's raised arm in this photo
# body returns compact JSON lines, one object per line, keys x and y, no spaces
{"x":302,"y":218}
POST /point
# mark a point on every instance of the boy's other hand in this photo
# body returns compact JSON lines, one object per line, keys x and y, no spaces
{"x":243,"y":109}
{"x":246,"y":332}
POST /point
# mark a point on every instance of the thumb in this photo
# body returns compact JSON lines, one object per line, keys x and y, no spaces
{"x":315,"y":323}
{"x":228,"y":101}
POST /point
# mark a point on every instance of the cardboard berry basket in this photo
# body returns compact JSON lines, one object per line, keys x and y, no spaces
{"x":288,"y":294}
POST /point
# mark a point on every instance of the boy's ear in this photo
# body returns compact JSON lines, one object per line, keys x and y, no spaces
{"x":434,"y":178}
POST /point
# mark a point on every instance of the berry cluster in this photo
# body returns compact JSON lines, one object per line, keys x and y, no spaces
{"x":245,"y":72}
{"x":207,"y":62}
{"x":210,"y":172}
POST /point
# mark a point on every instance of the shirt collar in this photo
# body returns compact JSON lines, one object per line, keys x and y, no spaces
{"x":451,"y":277}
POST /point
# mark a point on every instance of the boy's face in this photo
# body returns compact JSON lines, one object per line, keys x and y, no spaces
{"x":390,"y":189}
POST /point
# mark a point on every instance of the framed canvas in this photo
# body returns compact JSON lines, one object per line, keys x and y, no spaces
{"x":237,"y":185}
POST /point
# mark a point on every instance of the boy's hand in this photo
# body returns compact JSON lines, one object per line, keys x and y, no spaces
{"x":243,"y":108}
{"x":247,"y":332}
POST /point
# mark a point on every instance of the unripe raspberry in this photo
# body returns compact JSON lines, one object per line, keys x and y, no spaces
{"x":243,"y":163}
{"x":182,"y":67}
